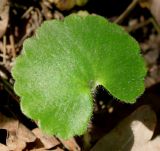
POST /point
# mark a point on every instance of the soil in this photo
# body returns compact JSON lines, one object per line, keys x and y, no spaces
{"x":19,"y":20}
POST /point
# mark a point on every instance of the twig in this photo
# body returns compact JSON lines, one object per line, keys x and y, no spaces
{"x":4,"y":49}
{"x":145,"y":23}
{"x":27,"y":12}
{"x":126,"y":12}
{"x":11,"y":39}
{"x":155,"y":24}
{"x":1,"y":55}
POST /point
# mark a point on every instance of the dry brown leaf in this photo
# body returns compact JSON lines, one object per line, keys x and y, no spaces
{"x":40,"y":149}
{"x":25,"y":134}
{"x":18,"y":134}
{"x":13,"y":126}
{"x":68,"y":4}
{"x":48,"y":141}
{"x":4,"y":16}
{"x":13,"y":143}
{"x":58,"y":149}
{"x":153,"y":145}
{"x":17,"y":139}
{"x":70,"y":144}
{"x":131,"y":134}
{"x":3,"y":147}
{"x":64,"y":4}
{"x":155,"y":9}
{"x":153,"y":6}
{"x":7,"y":123}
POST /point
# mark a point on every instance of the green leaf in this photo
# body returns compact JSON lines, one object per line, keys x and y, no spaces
{"x":63,"y":63}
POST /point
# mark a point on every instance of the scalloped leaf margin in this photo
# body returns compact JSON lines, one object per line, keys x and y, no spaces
{"x":64,"y":62}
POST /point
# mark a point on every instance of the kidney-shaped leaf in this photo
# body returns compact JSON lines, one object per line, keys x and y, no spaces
{"x":64,"y":62}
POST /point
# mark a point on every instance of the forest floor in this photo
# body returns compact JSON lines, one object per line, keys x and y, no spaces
{"x":140,"y":18}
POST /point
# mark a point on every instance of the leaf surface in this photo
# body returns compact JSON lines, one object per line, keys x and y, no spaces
{"x":64,"y":62}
